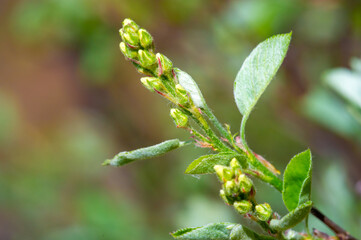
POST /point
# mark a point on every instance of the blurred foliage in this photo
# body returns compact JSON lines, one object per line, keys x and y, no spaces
{"x":69,"y":100}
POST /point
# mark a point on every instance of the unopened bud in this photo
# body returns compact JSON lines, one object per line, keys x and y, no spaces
{"x":224,"y":197}
{"x":180,"y":118}
{"x":152,"y":83}
{"x":230,"y":188}
{"x":127,"y":51}
{"x":263,"y":211}
{"x":164,"y":64}
{"x":146,"y":40}
{"x":242,"y":207}
{"x":131,"y":39}
{"x":234,"y":164}
{"x":245,"y":183}
{"x":223,"y":173}
{"x":130,"y":26}
{"x":182,"y":95}
{"x":146,"y":58}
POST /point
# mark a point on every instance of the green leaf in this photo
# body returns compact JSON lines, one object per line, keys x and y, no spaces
{"x":292,"y":218}
{"x":125,"y":157}
{"x":240,"y":232}
{"x":213,"y":231}
{"x":297,"y":180}
{"x":205,"y":164}
{"x":258,"y":70}
{"x":187,"y":82}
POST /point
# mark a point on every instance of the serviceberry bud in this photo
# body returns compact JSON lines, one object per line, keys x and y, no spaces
{"x":231,"y":189}
{"x":182,"y":95}
{"x":263,"y":211}
{"x":130,"y":26}
{"x":132,"y":39}
{"x":224,"y":197}
{"x":152,"y":83}
{"x":146,"y":58}
{"x":234,"y":164}
{"x":180,"y":118}
{"x":243,"y":206}
{"x":223,"y":173}
{"x":245,"y":183}
{"x":146,"y":40}
{"x":127,"y":51}
{"x":164,"y":64}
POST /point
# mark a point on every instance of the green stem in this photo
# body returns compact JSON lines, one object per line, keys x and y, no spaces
{"x":243,"y":133}
{"x":220,"y":146}
{"x":216,"y":123}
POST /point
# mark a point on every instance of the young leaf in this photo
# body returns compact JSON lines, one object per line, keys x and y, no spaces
{"x":205,"y":164}
{"x":123,"y":158}
{"x":187,"y":82}
{"x":240,"y":232}
{"x":292,"y":218}
{"x":297,"y":180}
{"x":256,"y":73}
{"x":258,"y":70}
{"x":213,"y":231}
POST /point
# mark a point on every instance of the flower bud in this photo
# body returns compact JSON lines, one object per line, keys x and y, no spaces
{"x":164,"y":64}
{"x":127,"y":52}
{"x":146,"y":58}
{"x":263,"y":211}
{"x":224,"y":197}
{"x":180,"y":118}
{"x":234,"y":164}
{"x":245,"y":183}
{"x":146,"y":40}
{"x":130,"y":26}
{"x":231,"y":189}
{"x":131,"y":39}
{"x":152,"y":83}
{"x":121,"y":33}
{"x":243,"y":206}
{"x":182,"y":95}
{"x":223,"y":173}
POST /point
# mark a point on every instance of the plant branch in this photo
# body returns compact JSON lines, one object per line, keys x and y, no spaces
{"x":340,"y":232}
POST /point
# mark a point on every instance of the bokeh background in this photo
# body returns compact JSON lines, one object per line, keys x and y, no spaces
{"x":69,"y":100}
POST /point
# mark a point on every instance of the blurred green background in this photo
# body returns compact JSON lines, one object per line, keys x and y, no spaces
{"x":69,"y":100}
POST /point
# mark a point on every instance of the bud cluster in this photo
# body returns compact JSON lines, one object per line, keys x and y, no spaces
{"x":238,"y":190}
{"x":138,"y":47}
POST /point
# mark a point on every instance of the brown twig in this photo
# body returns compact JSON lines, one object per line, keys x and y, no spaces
{"x":340,"y":232}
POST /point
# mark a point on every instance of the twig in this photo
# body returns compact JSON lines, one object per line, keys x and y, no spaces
{"x":340,"y":232}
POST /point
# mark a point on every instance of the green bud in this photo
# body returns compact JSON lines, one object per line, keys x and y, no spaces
{"x":146,"y":58}
{"x":127,"y":52}
{"x":263,"y":211}
{"x":242,"y":207}
{"x":130,"y":26}
{"x":143,"y":70}
{"x":245,"y":183}
{"x":164,"y":64}
{"x":152,"y":83}
{"x":146,"y":40}
{"x":231,"y":189}
{"x":180,"y":118}
{"x":224,"y":197}
{"x":182,"y":95}
{"x":131,"y":38}
{"x":223,"y":173}
{"x":234,"y":164}
{"x":121,"y":33}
